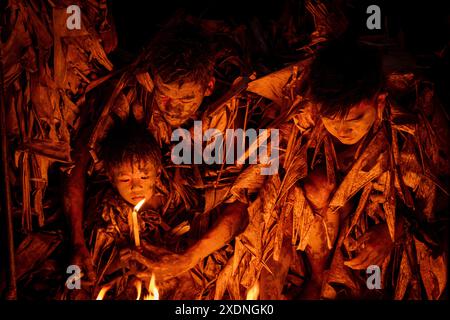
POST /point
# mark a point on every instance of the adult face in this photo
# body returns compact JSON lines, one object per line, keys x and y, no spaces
{"x":355,"y":125}
{"x":177,"y":102}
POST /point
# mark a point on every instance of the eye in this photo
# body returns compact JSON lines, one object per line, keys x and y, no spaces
{"x":357,"y":118}
{"x":124,"y":180}
{"x":145,"y":177}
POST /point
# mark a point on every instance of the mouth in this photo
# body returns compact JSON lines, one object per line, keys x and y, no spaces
{"x":137,"y":198}
{"x":348,"y":140}
{"x":172,"y":117}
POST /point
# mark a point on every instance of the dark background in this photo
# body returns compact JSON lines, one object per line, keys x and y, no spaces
{"x":415,"y":32}
{"x":423,"y":25}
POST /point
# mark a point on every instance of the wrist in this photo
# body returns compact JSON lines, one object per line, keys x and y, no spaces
{"x":193,"y":254}
{"x":77,"y":242}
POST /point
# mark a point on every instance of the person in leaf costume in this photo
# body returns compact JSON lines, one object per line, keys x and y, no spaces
{"x":181,"y":63}
{"x":132,"y":162}
{"x":361,"y":184}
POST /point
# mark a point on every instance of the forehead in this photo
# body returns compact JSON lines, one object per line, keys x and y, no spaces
{"x":364,"y":107}
{"x":174,"y":89}
{"x":129,"y":168}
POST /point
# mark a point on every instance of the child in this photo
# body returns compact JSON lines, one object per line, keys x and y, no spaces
{"x":376,"y":175}
{"x":132,"y":161}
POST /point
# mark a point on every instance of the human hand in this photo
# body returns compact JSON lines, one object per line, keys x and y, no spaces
{"x":317,"y":188}
{"x":164,"y":266}
{"x":82,"y":258}
{"x":373,"y":247}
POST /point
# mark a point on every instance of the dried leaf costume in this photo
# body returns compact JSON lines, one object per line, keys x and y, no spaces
{"x":48,"y":69}
{"x":402,"y":161}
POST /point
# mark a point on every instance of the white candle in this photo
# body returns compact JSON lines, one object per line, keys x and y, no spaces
{"x":134,"y":223}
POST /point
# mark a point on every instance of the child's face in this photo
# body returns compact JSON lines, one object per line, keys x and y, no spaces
{"x":135,"y":182}
{"x":355,"y":125}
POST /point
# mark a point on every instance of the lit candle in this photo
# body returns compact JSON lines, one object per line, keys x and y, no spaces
{"x":253,"y":292}
{"x":153,"y":293}
{"x":102,"y":292}
{"x":134,"y":226}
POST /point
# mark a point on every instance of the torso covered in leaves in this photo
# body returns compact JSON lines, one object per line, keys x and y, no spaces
{"x":402,"y":159}
{"x":166,"y":227}
{"x":198,"y":189}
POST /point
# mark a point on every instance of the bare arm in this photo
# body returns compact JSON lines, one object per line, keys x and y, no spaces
{"x":233,"y":220}
{"x":74,"y":201}
{"x":231,"y":223}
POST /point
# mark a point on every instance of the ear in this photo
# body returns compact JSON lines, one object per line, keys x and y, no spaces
{"x":210,"y":86}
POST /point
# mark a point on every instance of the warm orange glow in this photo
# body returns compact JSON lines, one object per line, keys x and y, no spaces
{"x":153,"y":293}
{"x":139,"y":205}
{"x":138,"y":285}
{"x":102,"y":292}
{"x":253,"y":292}
{"x":134,"y":227}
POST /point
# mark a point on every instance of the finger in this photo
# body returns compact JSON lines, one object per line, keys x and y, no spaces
{"x":351,"y":244}
{"x":361,"y":240}
{"x":378,"y":258}
{"x":358,"y":262}
{"x":370,"y":258}
{"x":125,"y":252}
{"x":125,"y":257}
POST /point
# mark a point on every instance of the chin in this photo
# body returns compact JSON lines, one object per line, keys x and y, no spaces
{"x":175,"y":122}
{"x":132,"y":202}
{"x":349,"y":141}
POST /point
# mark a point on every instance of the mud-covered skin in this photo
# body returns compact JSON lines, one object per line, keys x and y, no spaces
{"x":178,"y":102}
{"x":355,"y":125}
{"x":230,"y":223}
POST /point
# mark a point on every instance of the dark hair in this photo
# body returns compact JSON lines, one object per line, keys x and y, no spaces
{"x":129,"y":142}
{"x":342,"y":74}
{"x":181,"y":54}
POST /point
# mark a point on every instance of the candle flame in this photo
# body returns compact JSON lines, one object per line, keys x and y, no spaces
{"x":134,"y":226}
{"x":253,"y":292}
{"x":102,"y":292}
{"x":153,"y":293}
{"x":139,"y":205}
{"x":138,"y":285}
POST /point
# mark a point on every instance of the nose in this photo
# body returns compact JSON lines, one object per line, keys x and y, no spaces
{"x":175,"y":107}
{"x":136,"y":184}
{"x":343,"y":130}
